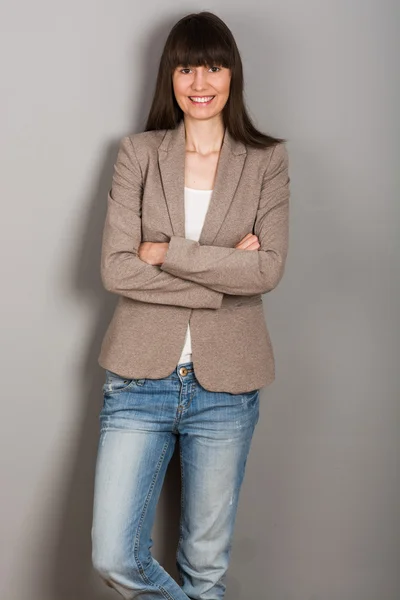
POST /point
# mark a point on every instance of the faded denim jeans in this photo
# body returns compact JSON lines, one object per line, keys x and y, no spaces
{"x":140,"y":422}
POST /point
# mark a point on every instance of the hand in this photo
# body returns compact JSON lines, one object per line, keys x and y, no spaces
{"x":153,"y":253}
{"x":249,"y":242}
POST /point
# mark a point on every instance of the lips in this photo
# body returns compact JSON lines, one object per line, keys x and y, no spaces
{"x":197,"y":102}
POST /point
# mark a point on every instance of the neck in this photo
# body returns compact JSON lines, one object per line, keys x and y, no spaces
{"x":204,"y":136}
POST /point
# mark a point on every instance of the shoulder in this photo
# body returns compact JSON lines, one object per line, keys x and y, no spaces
{"x":141,"y":146}
{"x":266,"y":153}
{"x":144,"y":141}
{"x":268,"y":158}
{"x":278,"y":155}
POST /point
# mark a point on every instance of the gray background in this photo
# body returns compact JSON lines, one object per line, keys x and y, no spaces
{"x":319,"y":510}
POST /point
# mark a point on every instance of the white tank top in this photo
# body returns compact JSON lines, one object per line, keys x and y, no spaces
{"x":196,"y":205}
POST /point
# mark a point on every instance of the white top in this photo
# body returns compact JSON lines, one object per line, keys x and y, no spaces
{"x":196,"y":206}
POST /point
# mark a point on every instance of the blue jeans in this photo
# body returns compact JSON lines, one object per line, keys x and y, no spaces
{"x":140,"y":421}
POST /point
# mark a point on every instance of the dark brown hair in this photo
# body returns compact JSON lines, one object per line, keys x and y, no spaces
{"x":204,"y":39}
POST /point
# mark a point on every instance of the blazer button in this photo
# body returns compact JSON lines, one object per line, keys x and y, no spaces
{"x":183,"y":371}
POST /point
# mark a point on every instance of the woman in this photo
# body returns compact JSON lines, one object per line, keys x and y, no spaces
{"x":196,"y":230}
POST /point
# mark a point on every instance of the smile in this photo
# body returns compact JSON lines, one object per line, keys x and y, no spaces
{"x":201,"y":99}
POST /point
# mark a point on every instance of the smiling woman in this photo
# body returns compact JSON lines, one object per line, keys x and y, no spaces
{"x":200,"y":88}
{"x":196,"y":231}
{"x":201,"y":58}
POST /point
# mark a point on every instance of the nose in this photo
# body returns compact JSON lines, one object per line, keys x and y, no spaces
{"x":199,"y":79}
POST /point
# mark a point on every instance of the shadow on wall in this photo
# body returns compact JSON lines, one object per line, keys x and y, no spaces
{"x":71,"y":574}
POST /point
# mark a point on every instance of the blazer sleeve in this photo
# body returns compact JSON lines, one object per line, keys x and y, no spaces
{"x":122,"y":271}
{"x":237,"y":271}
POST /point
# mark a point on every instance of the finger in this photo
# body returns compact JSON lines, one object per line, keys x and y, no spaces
{"x":250,"y":240}
{"x":246,"y":237}
{"x":253,"y":246}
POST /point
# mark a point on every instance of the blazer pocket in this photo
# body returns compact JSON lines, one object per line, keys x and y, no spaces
{"x":249,"y":301}
{"x":232,"y":302}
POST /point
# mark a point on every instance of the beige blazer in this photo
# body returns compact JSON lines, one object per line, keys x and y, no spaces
{"x":212,"y":284}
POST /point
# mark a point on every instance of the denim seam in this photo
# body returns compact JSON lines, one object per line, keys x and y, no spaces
{"x":192,"y":392}
{"x":142,"y":572}
{"x":181,"y":515}
{"x":112,"y":392}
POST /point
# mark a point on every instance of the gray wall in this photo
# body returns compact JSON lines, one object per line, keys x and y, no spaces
{"x":319,"y":512}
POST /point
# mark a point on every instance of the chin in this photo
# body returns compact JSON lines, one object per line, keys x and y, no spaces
{"x":202,"y":113}
{"x":202,"y":117}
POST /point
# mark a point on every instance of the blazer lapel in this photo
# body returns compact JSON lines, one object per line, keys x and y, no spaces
{"x":171,"y":160}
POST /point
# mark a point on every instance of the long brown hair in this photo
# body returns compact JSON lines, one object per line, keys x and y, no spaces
{"x":204,"y":39}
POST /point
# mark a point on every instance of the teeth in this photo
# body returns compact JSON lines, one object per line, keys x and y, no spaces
{"x":201,"y":99}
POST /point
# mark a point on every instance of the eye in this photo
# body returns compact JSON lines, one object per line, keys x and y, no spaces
{"x":184,"y":69}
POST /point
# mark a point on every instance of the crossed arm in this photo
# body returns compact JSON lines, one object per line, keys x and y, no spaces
{"x":122,"y":271}
{"x":191,"y":275}
{"x":237,"y":271}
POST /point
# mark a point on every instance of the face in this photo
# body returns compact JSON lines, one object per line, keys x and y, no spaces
{"x":201,"y":92}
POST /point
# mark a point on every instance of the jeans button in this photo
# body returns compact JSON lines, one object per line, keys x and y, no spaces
{"x":183,"y":371}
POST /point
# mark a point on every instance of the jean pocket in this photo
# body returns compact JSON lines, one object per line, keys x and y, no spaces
{"x":115,"y":383}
